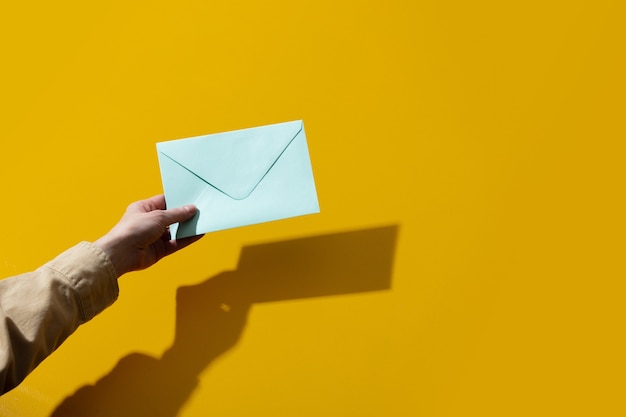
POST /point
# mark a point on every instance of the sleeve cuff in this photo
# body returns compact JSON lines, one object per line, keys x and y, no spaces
{"x":91,"y":274}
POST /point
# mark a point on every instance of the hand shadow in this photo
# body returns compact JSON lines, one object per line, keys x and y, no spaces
{"x":211,"y":316}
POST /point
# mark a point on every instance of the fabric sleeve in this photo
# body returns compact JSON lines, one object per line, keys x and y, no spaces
{"x":40,"y":309}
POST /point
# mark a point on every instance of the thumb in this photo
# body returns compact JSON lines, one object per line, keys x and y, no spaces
{"x":179,"y":214}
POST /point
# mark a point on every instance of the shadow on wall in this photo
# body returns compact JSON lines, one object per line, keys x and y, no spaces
{"x":211,"y":316}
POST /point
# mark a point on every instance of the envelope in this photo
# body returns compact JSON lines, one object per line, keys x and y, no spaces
{"x":239,"y":178}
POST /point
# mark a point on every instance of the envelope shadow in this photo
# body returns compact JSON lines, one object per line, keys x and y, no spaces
{"x":211,"y":316}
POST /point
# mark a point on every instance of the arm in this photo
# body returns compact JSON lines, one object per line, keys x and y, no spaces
{"x":40,"y":309}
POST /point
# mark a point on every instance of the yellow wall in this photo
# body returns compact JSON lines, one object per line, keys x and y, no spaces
{"x":469,"y":159}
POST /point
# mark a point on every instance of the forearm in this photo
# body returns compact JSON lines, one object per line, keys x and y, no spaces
{"x":39,"y":310}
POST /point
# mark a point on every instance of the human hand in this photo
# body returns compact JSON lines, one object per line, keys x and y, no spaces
{"x":142,"y":236}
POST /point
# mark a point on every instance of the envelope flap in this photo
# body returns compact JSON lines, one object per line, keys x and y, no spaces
{"x":233,"y":162}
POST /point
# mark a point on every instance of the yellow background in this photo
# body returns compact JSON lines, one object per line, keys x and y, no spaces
{"x":488,"y":134}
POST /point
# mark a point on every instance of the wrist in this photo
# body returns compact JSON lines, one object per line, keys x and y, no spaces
{"x":114,"y":251}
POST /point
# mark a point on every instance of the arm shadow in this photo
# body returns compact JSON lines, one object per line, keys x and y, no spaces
{"x":211,"y":316}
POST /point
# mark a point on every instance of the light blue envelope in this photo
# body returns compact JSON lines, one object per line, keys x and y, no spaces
{"x":239,"y":178}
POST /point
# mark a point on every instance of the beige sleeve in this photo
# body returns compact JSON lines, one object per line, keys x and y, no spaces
{"x":40,"y":309}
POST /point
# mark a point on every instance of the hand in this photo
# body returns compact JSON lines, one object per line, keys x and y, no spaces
{"x":142,"y":236}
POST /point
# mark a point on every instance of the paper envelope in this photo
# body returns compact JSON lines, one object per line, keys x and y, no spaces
{"x":239,"y":178}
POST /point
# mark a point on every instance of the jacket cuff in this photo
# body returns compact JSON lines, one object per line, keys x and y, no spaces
{"x":91,"y":274}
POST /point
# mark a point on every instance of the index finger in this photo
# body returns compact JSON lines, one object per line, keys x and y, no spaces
{"x":150,"y":204}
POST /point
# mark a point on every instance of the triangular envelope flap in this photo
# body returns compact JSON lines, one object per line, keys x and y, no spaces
{"x":233,"y":162}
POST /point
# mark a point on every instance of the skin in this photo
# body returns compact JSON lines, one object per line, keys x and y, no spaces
{"x":142,"y":237}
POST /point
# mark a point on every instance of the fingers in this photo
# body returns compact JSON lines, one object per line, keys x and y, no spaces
{"x":154,"y":203}
{"x":156,"y":207}
{"x":145,"y":206}
{"x":157,"y":202}
{"x":171,"y":216}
